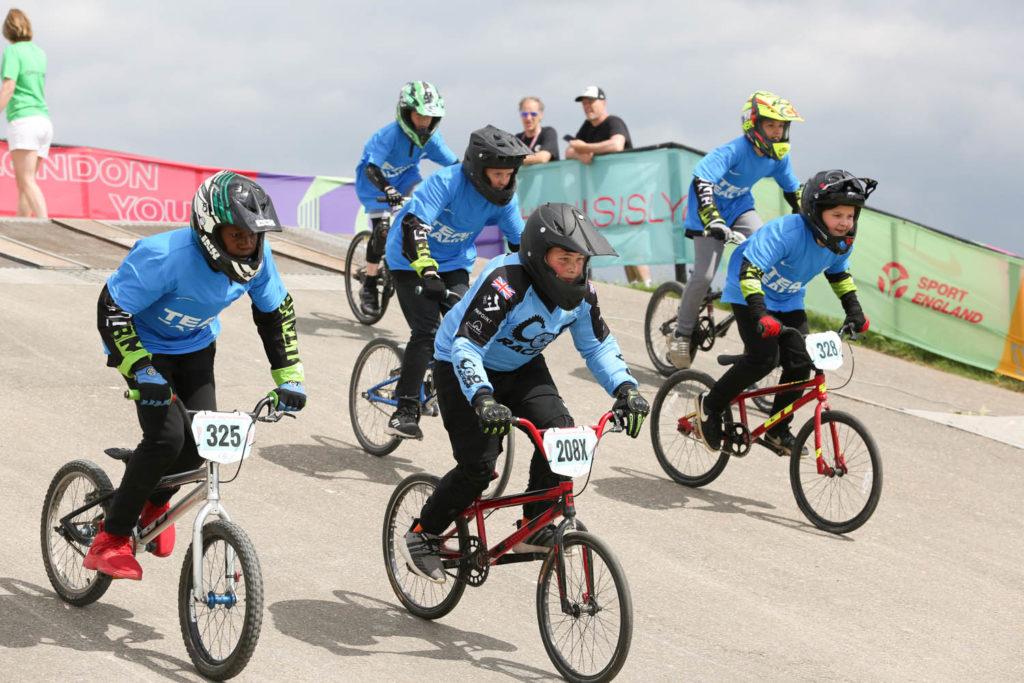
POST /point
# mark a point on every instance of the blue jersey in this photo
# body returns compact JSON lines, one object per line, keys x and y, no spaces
{"x":391,"y":150}
{"x":734,"y":168}
{"x":174,"y":296}
{"x":456,"y":213}
{"x":502,"y":324}
{"x":785,"y":249}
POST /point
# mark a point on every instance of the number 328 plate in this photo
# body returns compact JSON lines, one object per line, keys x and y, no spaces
{"x":223,"y":437}
{"x":825,"y":350}
{"x":570,"y":450}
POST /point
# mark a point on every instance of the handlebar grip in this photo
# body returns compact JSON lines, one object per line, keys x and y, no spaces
{"x":134,"y":395}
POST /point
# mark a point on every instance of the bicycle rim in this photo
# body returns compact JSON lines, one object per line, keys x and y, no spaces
{"x":837,"y":503}
{"x":659,"y":320}
{"x":379,"y":361}
{"x":590,"y":640}
{"x":673,"y":431}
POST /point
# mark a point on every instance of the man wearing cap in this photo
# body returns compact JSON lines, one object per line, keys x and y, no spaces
{"x":601,"y":133}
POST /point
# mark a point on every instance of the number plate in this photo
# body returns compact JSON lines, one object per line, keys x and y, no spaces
{"x":825,"y":350}
{"x":570,"y":450}
{"x":223,"y":437}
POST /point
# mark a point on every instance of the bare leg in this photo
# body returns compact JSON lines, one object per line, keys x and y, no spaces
{"x":372,"y":269}
{"x":26,"y":162}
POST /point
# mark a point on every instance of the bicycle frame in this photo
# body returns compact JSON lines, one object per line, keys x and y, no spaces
{"x":373,"y":393}
{"x":563,"y":497}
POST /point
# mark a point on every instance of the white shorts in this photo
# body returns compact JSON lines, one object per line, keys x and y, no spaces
{"x":31,"y":132}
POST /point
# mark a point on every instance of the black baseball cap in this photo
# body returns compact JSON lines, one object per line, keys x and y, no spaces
{"x":593,"y":92}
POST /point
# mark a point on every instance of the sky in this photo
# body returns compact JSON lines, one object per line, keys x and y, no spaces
{"x":926,"y":97}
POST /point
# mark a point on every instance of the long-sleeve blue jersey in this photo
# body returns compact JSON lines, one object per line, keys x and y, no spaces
{"x":503,"y":322}
{"x":391,"y":150}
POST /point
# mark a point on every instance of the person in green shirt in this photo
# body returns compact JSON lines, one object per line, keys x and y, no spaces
{"x":29,"y":130}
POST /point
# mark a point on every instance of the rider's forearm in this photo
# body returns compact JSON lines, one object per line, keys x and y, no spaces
{"x":841,"y":283}
{"x":376,"y":176}
{"x":793,"y":199}
{"x":415,"y":246}
{"x":469,"y":368}
{"x":706,"y":208}
{"x":280,"y":340}
{"x":117,"y":330}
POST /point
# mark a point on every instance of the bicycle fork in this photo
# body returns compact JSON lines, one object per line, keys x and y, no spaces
{"x":587,"y":603}
{"x":211,"y":507}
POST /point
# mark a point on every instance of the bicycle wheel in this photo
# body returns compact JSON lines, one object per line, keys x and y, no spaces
{"x":355,"y":272}
{"x":680,"y":452}
{"x":837,"y":502}
{"x":76,"y":484}
{"x":221,"y":631}
{"x":422,"y":597}
{"x":371,"y":395}
{"x":588,"y":641}
{"x":503,"y":467}
{"x":659,"y":321}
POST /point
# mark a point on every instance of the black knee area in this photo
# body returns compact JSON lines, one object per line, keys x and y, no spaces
{"x":761,"y":363}
{"x":477,"y":475}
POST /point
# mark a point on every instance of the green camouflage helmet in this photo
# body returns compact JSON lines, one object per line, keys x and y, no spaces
{"x":424,"y":99}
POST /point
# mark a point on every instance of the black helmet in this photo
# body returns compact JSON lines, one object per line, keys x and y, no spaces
{"x":834,"y":188}
{"x":565,"y":226}
{"x":492,"y":147}
{"x":227,"y":198}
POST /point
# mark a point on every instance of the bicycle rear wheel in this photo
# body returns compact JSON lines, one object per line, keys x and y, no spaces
{"x":355,"y":273}
{"x":503,"y":467}
{"x":764,"y":403}
{"x":221,"y":631}
{"x":680,"y":452}
{"x":422,"y":597}
{"x":840,"y":501}
{"x":76,"y":484}
{"x":372,"y":397}
{"x":589,"y":639}
{"x":659,"y":321}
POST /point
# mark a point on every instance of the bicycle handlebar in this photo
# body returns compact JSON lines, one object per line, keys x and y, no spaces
{"x":844,"y":331}
{"x":273,"y":415}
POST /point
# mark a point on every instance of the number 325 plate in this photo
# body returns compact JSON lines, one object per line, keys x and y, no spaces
{"x":570,"y":450}
{"x":223,"y":437}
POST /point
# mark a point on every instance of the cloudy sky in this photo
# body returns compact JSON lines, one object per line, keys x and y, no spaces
{"x":926,"y":96}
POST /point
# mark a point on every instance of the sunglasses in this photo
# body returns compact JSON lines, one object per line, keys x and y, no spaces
{"x":529,"y":114}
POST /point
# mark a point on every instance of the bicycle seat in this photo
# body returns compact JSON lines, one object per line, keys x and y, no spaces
{"x":122,"y":454}
{"x":729,"y":358}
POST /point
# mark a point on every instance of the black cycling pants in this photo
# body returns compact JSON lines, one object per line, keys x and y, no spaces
{"x":530,"y":393}
{"x":378,"y":239}
{"x":760,"y":357}
{"x":424,"y":317}
{"x":167,"y":446}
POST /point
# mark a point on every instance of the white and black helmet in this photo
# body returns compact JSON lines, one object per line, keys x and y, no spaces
{"x":834,"y":188}
{"x":491,"y":147}
{"x":227,"y":198}
{"x":565,"y":226}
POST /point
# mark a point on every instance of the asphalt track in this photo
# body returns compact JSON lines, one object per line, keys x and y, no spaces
{"x":729,"y":582}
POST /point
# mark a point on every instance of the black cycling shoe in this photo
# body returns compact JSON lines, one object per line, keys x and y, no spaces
{"x":709,"y":427}
{"x":782,"y":443}
{"x":405,"y":424}
{"x":540,"y":541}
{"x":369,"y":302}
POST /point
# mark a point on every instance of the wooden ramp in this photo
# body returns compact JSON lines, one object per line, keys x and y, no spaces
{"x":102,"y":231}
{"x":33,"y":256}
{"x":305,"y":254}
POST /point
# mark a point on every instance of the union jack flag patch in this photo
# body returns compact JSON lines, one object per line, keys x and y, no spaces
{"x":503,"y":287}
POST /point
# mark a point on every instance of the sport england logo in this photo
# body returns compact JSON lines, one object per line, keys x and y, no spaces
{"x":892,"y":274}
{"x":503,"y":287}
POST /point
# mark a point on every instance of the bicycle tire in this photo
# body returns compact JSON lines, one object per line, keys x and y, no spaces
{"x":584,"y":548}
{"x":250,"y":579}
{"x":659,"y":320}
{"x":369,"y":418}
{"x":62,"y":558}
{"x":674,"y":447}
{"x":412,"y":590}
{"x":838,"y":489}
{"x":503,"y":467}
{"x":355,"y":271}
{"x":764,"y":403}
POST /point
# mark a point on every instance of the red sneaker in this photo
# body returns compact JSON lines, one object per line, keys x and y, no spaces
{"x":113,"y":555}
{"x":163,"y":545}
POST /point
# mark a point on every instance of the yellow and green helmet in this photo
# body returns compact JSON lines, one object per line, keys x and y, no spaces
{"x":765,"y":105}
{"x":424,"y":99}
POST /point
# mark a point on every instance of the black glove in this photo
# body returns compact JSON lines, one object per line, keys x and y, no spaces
{"x":855,"y":317}
{"x":291,"y":397}
{"x":154,"y":391}
{"x":632,"y":406}
{"x":433,"y":286}
{"x":392,"y":196}
{"x":495,"y":419}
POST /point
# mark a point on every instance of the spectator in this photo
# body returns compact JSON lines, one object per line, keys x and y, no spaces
{"x":603,"y":133}
{"x":542,"y":140}
{"x":29,"y":130}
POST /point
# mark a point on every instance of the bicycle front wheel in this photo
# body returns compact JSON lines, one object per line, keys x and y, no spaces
{"x":355,"y":273}
{"x":680,"y":452}
{"x":586,"y":613}
{"x":76,"y":484}
{"x":844,"y":495}
{"x":372,"y":395}
{"x":221,"y":630}
{"x":660,"y":323}
{"x":422,"y":597}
